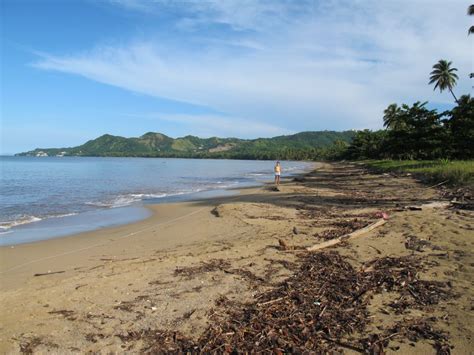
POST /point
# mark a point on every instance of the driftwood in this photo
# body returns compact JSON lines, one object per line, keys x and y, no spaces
{"x":439,"y":184}
{"x":49,"y":273}
{"x":347,"y":236}
{"x":463,"y":205}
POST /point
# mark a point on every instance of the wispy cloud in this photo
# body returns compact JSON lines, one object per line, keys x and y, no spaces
{"x":290,"y":65}
{"x":208,"y":125}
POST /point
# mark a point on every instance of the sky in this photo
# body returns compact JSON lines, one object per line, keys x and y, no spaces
{"x":72,"y":70}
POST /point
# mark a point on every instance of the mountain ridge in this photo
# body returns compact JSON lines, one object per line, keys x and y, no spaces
{"x":301,"y":145}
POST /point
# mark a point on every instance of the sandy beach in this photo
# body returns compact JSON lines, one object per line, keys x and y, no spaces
{"x":125,"y":288}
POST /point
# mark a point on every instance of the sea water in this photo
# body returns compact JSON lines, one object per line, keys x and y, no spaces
{"x":47,"y":197}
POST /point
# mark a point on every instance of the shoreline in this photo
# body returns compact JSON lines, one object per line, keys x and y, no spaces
{"x":188,"y":265}
{"x":84,"y":241}
{"x":66,"y":246}
{"x":69,"y":224}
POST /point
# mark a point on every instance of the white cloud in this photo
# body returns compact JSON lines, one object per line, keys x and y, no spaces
{"x":328,"y":65}
{"x":209,"y":125}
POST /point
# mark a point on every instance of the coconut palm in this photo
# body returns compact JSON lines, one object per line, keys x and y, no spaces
{"x":470,"y":12}
{"x":444,"y":76}
{"x":391,"y":117}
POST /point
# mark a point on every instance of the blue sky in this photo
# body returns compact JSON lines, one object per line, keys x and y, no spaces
{"x":73,"y":70}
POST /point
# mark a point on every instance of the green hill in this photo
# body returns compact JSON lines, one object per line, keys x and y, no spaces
{"x":304,"y":145}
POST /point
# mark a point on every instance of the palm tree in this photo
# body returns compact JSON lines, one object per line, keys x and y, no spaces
{"x":391,"y":117}
{"x":444,"y":76}
{"x":470,"y":12}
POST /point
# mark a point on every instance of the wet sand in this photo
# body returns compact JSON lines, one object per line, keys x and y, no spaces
{"x":96,"y":289}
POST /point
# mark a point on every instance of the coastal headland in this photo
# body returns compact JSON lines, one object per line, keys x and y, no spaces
{"x":234,"y":273}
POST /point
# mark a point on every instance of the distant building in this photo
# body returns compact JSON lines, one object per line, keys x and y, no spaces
{"x":41,"y":154}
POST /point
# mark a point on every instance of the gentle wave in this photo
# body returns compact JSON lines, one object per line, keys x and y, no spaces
{"x":6,"y":226}
{"x":18,"y":222}
{"x":128,"y":199}
{"x":255,"y":174}
{"x":71,"y":190}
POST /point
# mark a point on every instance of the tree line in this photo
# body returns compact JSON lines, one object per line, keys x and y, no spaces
{"x":416,"y":132}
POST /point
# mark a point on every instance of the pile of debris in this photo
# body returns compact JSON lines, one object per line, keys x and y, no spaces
{"x":462,"y":198}
{"x":343,"y":227}
{"x":209,"y":266}
{"x":412,"y":242}
{"x":217,"y":265}
{"x":322,"y":307}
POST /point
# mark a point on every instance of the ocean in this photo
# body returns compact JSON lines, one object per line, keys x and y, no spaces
{"x":48,"y":197}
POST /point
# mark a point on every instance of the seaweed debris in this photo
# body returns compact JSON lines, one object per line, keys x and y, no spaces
{"x":321,"y":308}
{"x":209,"y":266}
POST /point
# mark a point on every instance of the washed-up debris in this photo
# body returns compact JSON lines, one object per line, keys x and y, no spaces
{"x":94,"y":337}
{"x":414,"y":243}
{"x":414,"y":208}
{"x":467,"y":205}
{"x":27,"y":346}
{"x":321,"y":308}
{"x":49,"y":273}
{"x":284,"y":246}
{"x":329,"y":234}
{"x":160,"y":341}
{"x":346,"y":237}
{"x":205,"y":266}
{"x":382,"y":214}
{"x":217,"y":265}
{"x":69,"y":315}
{"x":215,"y":212}
{"x":412,"y":330}
{"x":343,"y":227}
{"x":459,"y":195}
{"x":400,"y":275}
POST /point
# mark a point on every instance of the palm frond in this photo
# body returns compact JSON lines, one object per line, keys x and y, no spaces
{"x":470,"y":10}
{"x":443,"y":76}
{"x":471,"y":30}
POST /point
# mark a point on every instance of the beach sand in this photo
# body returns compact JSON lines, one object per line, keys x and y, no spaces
{"x":99,"y":291}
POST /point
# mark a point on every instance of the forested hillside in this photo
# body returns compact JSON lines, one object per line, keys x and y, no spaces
{"x":300,"y":146}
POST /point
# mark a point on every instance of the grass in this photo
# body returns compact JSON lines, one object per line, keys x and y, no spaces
{"x":454,"y":173}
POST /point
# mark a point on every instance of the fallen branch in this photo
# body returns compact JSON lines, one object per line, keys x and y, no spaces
{"x":49,"y":273}
{"x":347,"y":236}
{"x":344,"y":344}
{"x":377,"y":250}
{"x":439,"y":184}
{"x":271,"y":301}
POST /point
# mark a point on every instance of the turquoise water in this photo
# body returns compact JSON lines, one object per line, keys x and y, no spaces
{"x":47,"y":197}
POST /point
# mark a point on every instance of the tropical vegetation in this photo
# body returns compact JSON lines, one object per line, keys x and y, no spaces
{"x":416,"y":132}
{"x":444,"y":77}
{"x":457,"y":172}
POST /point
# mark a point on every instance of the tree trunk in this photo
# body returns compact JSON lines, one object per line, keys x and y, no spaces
{"x":455,"y":98}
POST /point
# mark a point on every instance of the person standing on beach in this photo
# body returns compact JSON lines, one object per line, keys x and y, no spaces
{"x":277,"y":170}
